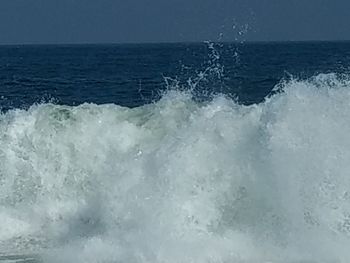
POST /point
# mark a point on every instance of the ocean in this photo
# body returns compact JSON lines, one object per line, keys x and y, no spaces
{"x":188,"y":152}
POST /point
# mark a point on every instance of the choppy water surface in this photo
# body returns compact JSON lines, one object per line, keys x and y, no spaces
{"x":241,"y":157}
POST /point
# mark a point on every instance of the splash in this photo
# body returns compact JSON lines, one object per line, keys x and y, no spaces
{"x":181,"y":181}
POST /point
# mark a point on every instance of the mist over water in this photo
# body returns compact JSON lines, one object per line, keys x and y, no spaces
{"x":180,"y":180}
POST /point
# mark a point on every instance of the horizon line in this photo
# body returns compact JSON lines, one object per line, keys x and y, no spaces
{"x":170,"y":42}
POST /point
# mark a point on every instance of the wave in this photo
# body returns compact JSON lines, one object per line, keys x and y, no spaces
{"x":181,"y":181}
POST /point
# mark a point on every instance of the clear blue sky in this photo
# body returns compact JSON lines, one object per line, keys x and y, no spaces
{"x":116,"y":21}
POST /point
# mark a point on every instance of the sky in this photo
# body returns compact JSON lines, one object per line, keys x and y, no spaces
{"x":129,"y":21}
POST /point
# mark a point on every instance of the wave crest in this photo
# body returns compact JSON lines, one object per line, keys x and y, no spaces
{"x":181,"y":181}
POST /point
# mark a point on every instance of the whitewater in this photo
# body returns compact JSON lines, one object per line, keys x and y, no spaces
{"x":180,"y":180}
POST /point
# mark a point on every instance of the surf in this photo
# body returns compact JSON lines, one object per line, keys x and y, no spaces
{"x":181,"y":180}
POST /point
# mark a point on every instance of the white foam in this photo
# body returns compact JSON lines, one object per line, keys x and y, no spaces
{"x":180,"y":181}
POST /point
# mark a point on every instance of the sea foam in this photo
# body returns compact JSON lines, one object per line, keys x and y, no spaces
{"x":181,"y":181}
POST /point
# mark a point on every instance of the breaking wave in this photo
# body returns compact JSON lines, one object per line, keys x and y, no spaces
{"x":181,"y":181}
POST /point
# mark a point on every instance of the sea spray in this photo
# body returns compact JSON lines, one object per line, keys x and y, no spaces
{"x":180,"y":180}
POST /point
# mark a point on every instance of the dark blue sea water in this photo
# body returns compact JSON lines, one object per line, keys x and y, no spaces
{"x":132,"y":75}
{"x":172,"y":153}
